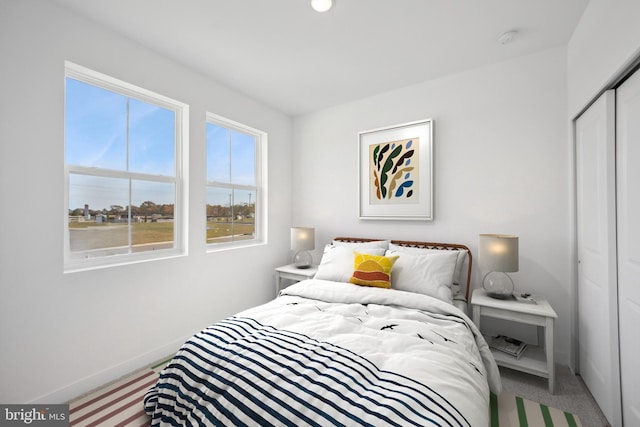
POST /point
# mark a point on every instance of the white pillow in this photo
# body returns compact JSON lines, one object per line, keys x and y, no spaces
{"x":360,"y":246}
{"x":462,"y":257}
{"x":337,"y":262}
{"x":427,"y":273}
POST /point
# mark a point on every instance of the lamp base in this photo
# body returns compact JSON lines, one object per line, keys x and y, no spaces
{"x":302,"y":260}
{"x":498,"y":285}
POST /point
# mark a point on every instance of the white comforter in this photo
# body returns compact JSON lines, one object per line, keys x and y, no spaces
{"x":364,"y":356}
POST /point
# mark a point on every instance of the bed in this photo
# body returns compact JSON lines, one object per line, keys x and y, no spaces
{"x":377,"y":337}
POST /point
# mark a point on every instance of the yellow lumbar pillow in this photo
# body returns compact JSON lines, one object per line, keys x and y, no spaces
{"x":372,"y":270}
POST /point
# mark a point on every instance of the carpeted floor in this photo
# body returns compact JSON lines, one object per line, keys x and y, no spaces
{"x":571,"y":394}
{"x":120,"y":404}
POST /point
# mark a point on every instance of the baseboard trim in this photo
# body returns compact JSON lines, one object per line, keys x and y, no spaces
{"x":99,"y":379}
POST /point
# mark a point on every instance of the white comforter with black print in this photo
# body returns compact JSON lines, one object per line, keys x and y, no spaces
{"x":328,"y":353}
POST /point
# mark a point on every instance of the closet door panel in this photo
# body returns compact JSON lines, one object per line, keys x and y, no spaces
{"x":596,"y":246}
{"x":628,"y":183}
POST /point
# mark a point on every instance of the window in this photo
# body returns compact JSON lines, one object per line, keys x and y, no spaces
{"x":124,"y":172}
{"x":235,"y":191}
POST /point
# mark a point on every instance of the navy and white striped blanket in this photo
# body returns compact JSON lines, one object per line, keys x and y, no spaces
{"x":312,"y":359}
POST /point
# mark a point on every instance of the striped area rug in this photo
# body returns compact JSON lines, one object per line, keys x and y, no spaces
{"x":117,"y":405}
{"x":513,"y":411}
{"x":120,"y":404}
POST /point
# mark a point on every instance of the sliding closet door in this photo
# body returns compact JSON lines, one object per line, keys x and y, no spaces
{"x":596,"y":233}
{"x":628,"y":174}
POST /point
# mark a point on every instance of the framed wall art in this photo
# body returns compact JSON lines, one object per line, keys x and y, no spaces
{"x":396,"y":172}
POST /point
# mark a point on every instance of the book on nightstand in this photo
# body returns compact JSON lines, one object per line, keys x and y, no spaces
{"x":510,"y":346}
{"x":525,"y":298}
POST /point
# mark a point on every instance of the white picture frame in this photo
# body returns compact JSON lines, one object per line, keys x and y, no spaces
{"x":396,"y":172}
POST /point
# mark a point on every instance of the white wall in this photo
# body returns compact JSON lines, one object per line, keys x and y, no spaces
{"x":605,"y":42}
{"x":501,"y":166}
{"x":64,"y":334}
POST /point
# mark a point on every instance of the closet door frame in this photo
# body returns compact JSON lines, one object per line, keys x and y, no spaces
{"x":597,"y":293}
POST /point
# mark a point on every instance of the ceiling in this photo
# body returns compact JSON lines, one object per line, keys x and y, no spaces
{"x":283,"y":53}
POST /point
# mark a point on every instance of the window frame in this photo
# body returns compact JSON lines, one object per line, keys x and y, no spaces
{"x":179,"y":178}
{"x":260,"y":186}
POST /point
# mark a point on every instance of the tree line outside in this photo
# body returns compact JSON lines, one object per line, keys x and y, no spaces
{"x":145,"y":210}
{"x":150,"y":209}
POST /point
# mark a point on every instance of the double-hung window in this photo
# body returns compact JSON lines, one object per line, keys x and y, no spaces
{"x":235,"y":186}
{"x":125,"y":189}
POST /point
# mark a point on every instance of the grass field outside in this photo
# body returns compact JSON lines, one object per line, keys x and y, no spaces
{"x":218,"y":231}
{"x":90,"y":235}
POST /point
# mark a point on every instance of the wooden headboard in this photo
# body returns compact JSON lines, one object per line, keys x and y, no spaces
{"x":425,"y":245}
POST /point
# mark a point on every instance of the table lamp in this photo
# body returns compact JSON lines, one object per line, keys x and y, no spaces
{"x":302,"y":240}
{"x":498,"y":255}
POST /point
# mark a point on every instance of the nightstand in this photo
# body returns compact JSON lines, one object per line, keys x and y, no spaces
{"x":536,"y":360}
{"x":291,"y":272}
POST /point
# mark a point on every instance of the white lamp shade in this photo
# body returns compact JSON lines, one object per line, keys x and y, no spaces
{"x":498,"y":252}
{"x":303,"y":238}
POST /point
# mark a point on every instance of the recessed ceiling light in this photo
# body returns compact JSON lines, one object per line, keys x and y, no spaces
{"x":506,"y":38}
{"x":321,"y":5}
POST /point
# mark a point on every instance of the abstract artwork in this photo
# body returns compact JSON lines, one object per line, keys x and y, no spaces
{"x":394,"y":168}
{"x":396,"y":172}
